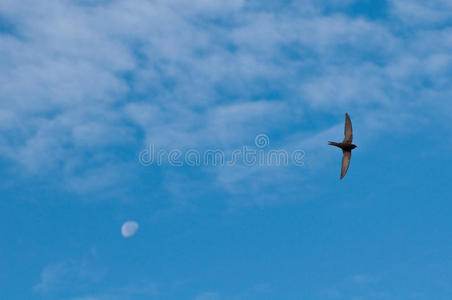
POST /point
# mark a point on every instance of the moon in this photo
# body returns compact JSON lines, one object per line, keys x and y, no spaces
{"x":129,"y":229}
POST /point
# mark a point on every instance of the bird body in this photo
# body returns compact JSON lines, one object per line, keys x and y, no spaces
{"x":346,"y":145}
{"x":343,"y":146}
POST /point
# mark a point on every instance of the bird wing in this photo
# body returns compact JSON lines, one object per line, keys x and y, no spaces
{"x":347,"y":155}
{"x":348,"y":131}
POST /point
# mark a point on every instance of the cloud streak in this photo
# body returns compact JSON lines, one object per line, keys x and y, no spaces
{"x":83,"y":81}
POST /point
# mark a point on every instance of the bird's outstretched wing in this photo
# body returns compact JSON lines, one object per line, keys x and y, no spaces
{"x":348,"y":131}
{"x":347,"y":155}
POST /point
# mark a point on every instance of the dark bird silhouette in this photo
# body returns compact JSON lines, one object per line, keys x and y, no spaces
{"x":346,"y":145}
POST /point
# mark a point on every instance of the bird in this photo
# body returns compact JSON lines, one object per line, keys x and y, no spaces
{"x":346,"y":145}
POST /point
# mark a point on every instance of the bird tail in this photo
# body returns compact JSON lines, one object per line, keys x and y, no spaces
{"x":333,"y":144}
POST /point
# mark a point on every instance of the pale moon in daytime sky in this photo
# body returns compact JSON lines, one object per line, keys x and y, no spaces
{"x":129,"y":229}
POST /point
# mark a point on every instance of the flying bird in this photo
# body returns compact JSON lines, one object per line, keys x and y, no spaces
{"x":346,"y":145}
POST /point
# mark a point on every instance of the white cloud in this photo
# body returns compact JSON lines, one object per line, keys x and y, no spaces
{"x":422,"y":12}
{"x":61,"y":275}
{"x":208,"y":296}
{"x":135,"y":290}
{"x":80,"y":79}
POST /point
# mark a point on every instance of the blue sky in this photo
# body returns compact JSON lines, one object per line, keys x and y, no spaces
{"x":87,"y":85}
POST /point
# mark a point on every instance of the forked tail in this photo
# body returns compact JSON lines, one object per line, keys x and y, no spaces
{"x":333,"y":144}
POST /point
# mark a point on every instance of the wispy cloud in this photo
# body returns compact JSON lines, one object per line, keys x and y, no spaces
{"x":67,"y":274}
{"x":208,"y":296}
{"x":81,"y":80}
